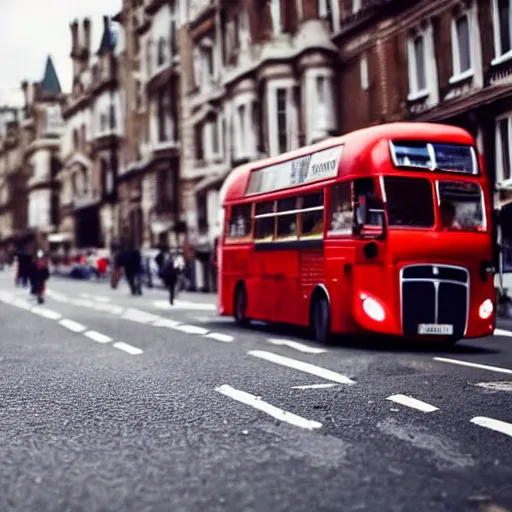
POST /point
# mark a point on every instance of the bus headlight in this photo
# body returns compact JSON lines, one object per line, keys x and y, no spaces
{"x":485,"y":310}
{"x":373,"y":309}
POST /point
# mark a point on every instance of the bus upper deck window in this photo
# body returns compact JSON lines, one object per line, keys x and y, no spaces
{"x":461,"y":206}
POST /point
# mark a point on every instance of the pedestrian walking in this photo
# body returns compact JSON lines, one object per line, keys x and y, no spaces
{"x":39,"y":277}
{"x":169,"y":274}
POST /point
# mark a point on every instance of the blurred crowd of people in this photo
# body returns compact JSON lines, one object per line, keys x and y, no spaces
{"x":33,"y":270}
{"x":137,"y":267}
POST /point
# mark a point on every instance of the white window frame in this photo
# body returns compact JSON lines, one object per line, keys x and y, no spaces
{"x":275,"y":15}
{"x":414,"y":91}
{"x":500,"y":181}
{"x":459,"y":75}
{"x":292,"y":115}
{"x":431,"y":90}
{"x":357,"y":5}
{"x":335,"y":11}
{"x":312,"y":102}
{"x":499,"y":56}
{"x":365,"y":72}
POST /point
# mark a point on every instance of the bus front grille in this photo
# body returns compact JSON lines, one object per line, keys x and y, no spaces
{"x":436,"y":295}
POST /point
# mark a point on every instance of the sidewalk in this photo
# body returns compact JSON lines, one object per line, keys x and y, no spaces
{"x":158,"y":288}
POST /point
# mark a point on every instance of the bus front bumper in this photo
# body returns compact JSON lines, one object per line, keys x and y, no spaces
{"x":374,"y":315}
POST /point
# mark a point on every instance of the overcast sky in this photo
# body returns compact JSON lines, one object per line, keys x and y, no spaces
{"x":32,"y":29}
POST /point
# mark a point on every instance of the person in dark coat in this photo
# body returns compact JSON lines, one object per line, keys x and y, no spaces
{"x":39,"y":277}
{"x":169,"y":274}
{"x":131,"y":260}
{"x":24,"y":268}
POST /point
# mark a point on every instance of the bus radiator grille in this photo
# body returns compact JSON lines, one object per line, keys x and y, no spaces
{"x":434,"y":300}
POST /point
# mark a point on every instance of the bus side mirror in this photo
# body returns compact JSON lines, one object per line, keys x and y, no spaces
{"x":370,"y":218}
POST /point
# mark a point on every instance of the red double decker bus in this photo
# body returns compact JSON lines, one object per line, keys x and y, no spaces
{"x":383,"y":230}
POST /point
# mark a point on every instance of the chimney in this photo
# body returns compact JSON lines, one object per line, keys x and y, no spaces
{"x":74,"y":37}
{"x":87,"y":35}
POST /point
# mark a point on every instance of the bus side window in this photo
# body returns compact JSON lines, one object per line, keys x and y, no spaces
{"x":365,"y":187}
{"x":342,"y":213}
{"x":287,"y":222}
{"x":264,"y":221}
{"x":312,"y":215}
{"x":240,"y":221}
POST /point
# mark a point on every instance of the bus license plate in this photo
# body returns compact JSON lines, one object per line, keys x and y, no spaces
{"x":441,"y":329}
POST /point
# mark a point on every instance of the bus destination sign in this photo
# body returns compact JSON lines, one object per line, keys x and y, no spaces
{"x":304,"y":169}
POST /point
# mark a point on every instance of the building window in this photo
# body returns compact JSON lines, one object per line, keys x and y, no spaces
{"x":321,"y":83}
{"x":149,"y":49}
{"x":365,"y":78}
{"x":503,"y":153}
{"x":173,"y":36}
{"x":502,"y":14}
{"x":208,"y":62}
{"x":325,"y":12}
{"x":112,"y":121}
{"x":417,"y":66}
{"x":198,"y":136}
{"x":161,"y":51}
{"x":76,"y":140}
{"x":215,"y":137}
{"x":275,"y":13}
{"x":162,"y":115}
{"x":461,"y":47}
{"x":282,"y":135}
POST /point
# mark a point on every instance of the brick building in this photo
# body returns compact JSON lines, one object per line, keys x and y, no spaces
{"x":148,"y":187}
{"x":445,"y":61}
{"x":89,"y":145}
{"x":262,"y":81}
{"x":13,"y":194}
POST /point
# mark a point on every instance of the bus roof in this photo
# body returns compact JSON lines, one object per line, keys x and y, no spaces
{"x":355,"y":143}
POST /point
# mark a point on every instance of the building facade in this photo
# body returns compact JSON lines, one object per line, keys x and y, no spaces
{"x":90,"y":145}
{"x":149,"y":174}
{"x":261,"y":81}
{"x":42,"y":128}
{"x":447,"y":61}
{"x":13,"y":196}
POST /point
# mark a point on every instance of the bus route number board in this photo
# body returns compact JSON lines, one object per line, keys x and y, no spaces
{"x":439,"y":329}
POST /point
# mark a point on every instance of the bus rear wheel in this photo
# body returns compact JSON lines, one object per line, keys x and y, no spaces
{"x":321,"y":320}
{"x":240,"y":305}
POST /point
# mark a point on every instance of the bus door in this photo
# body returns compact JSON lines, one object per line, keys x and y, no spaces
{"x":355,"y":244}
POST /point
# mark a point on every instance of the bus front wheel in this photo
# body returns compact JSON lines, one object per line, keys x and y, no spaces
{"x":321,"y":320}
{"x":240,"y":304}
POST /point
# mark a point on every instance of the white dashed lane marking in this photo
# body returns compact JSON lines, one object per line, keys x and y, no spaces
{"x":271,"y":410}
{"x":46,"y":313}
{"x":315,"y":386}
{"x":502,"y":332}
{"x":473,"y":365}
{"x":72,"y":325}
{"x":496,"y":425}
{"x":98,"y":337}
{"x":413,"y":403}
{"x":225,"y":338}
{"x":301,"y":347}
{"x":317,"y":371}
{"x":192,"y":329}
{"x":129,"y":349}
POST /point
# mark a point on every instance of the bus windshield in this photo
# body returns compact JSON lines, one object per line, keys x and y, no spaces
{"x":411,"y":203}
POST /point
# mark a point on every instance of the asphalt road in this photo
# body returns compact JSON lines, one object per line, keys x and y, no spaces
{"x":119,"y":403}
